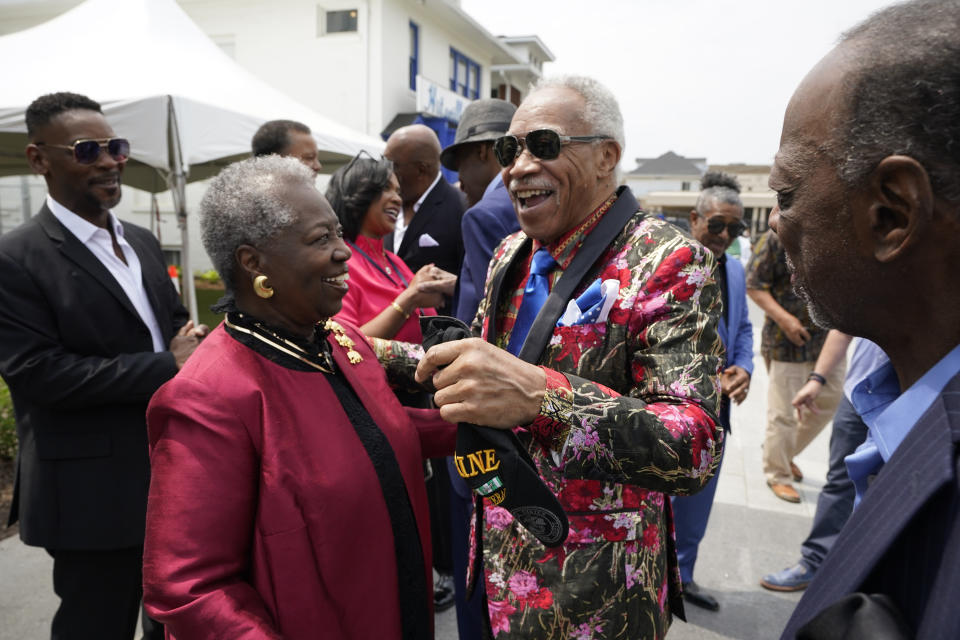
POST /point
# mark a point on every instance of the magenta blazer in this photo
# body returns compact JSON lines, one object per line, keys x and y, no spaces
{"x":265,"y":517}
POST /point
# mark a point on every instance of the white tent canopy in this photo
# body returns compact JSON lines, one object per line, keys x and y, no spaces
{"x":186,"y":106}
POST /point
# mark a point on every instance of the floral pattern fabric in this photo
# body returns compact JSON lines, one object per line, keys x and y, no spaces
{"x":768,"y":271}
{"x":629,"y":416}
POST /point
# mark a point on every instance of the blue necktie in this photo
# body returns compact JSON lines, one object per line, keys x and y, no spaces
{"x":534,"y":296}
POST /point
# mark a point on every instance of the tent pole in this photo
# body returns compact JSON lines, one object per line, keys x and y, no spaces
{"x":179,"y":192}
{"x":189,"y":288}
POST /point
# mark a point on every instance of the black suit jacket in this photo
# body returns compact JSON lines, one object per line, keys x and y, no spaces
{"x":80,"y":365}
{"x":439,"y":216}
{"x":904,"y":538}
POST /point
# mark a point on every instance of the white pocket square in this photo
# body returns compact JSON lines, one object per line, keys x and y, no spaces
{"x":426,"y":240}
{"x":593,"y":305}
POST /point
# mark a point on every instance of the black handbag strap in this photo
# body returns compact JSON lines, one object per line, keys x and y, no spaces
{"x":594,"y":245}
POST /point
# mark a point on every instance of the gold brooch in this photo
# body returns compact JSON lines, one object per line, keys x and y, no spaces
{"x":344,"y":341}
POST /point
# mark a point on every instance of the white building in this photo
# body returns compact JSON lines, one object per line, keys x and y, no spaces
{"x":358,"y":62}
{"x":670,"y":185}
{"x":668,"y":172}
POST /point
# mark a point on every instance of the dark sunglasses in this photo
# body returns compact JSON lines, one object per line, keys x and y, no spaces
{"x":544,"y":144}
{"x":716,"y":226}
{"x":87,"y":151}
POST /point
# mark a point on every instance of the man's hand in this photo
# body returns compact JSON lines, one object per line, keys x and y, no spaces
{"x":793,"y":328}
{"x":483,"y":384}
{"x":186,"y":341}
{"x":735,"y":383}
{"x":806,"y":398}
{"x":200,"y":331}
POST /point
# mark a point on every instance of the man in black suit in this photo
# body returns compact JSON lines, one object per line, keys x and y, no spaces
{"x":868,"y":186}
{"x":429,"y":233}
{"x":432,"y":207}
{"x":90,"y":327}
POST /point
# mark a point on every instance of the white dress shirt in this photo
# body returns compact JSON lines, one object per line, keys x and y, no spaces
{"x":401,"y":227}
{"x":128,"y":275}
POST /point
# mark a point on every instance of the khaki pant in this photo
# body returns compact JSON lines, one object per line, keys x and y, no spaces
{"x":786,"y":437}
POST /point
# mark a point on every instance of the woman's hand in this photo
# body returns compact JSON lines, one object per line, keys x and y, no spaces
{"x":428,"y":288}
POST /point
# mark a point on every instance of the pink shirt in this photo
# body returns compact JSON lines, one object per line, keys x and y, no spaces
{"x":376,"y":279}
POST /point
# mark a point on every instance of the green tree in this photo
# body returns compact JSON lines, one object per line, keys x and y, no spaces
{"x":8,"y":428}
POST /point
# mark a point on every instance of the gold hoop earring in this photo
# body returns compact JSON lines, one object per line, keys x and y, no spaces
{"x":260,"y":287}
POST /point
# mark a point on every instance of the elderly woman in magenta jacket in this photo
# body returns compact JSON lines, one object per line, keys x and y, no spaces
{"x":287,"y":496}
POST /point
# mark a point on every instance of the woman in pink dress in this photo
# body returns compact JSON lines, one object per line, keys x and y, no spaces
{"x":386,"y":298}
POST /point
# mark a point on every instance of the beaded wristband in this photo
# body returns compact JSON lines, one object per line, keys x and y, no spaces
{"x":819,"y":378}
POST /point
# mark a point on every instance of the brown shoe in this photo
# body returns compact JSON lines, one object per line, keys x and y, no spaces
{"x":784,"y":492}
{"x":795,"y":472}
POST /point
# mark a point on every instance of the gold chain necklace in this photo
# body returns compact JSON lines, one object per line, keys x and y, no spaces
{"x":280,"y":347}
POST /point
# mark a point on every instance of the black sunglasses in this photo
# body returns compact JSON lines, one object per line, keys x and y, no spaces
{"x":716,"y":226}
{"x":544,"y":144}
{"x":87,"y":151}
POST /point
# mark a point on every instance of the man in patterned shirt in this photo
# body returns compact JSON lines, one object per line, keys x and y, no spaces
{"x":790,"y":345}
{"x":613,"y":391}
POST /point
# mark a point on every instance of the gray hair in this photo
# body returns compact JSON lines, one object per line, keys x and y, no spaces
{"x":718,"y":187}
{"x":601,"y":110}
{"x":904,"y":94}
{"x":245,"y":205}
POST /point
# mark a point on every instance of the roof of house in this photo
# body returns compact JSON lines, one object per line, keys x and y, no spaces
{"x":530,"y":40}
{"x":669,"y":164}
{"x":738,"y":167}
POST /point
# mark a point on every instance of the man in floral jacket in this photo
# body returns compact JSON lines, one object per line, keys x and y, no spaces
{"x":615,"y":397}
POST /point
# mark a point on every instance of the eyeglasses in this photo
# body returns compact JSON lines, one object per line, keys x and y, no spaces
{"x":360,"y":154}
{"x":716,"y":226}
{"x":544,"y":144}
{"x":87,"y":151}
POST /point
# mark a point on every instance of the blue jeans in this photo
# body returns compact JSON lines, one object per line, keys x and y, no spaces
{"x":835,"y":503}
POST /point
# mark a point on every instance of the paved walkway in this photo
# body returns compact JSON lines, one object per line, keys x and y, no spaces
{"x":751,"y":533}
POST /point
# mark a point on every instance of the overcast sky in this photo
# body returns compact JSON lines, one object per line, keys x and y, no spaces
{"x":699,"y":77}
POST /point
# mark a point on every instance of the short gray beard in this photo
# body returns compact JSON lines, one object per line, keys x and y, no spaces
{"x":817,"y":314}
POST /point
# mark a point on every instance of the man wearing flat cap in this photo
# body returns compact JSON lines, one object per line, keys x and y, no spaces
{"x":490,"y":218}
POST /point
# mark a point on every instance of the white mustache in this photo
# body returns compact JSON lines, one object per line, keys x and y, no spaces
{"x":523,"y":185}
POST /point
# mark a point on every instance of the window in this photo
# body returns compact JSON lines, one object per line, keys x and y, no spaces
{"x":684,"y":186}
{"x":344,"y":21}
{"x":464,"y":75}
{"x":171,"y":256}
{"x":414,"y":54}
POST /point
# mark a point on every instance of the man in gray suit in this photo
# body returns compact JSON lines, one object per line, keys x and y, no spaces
{"x":868,"y":186}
